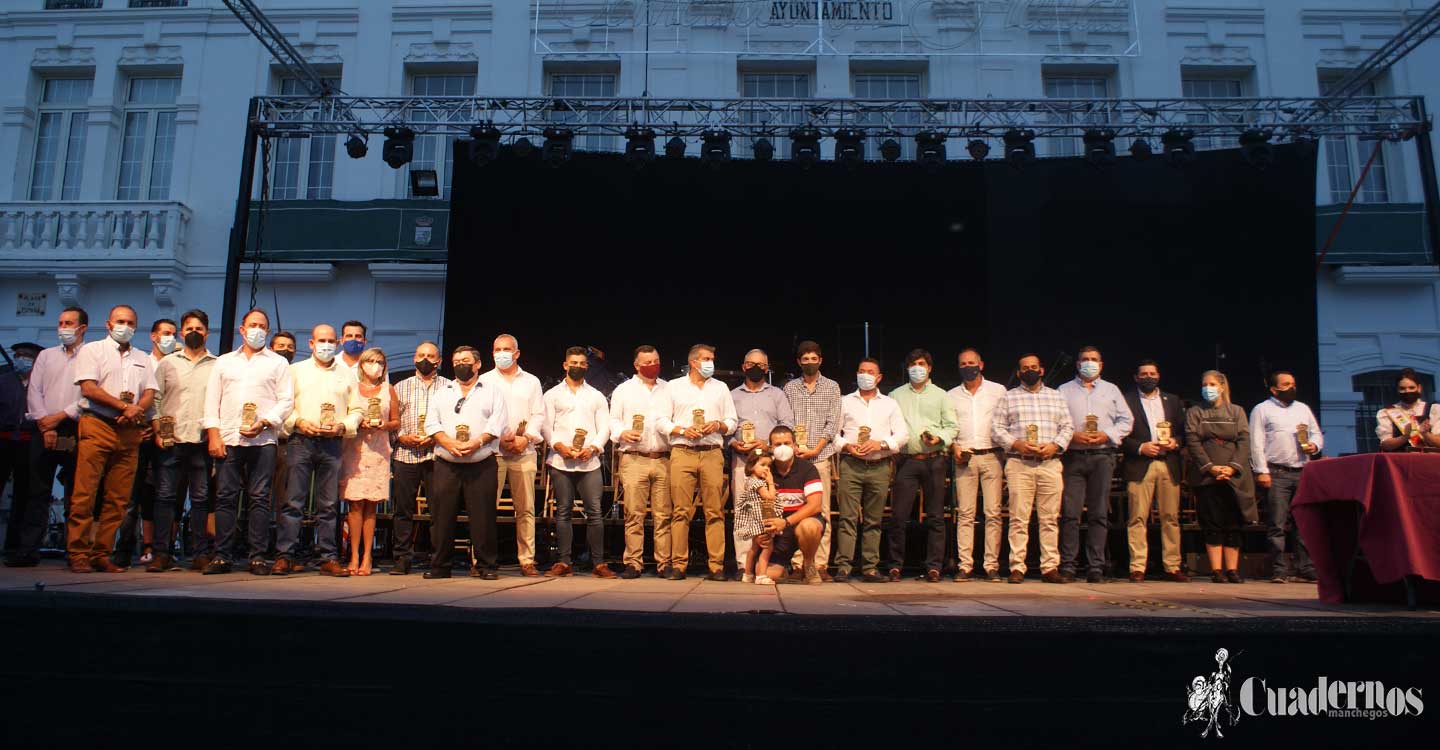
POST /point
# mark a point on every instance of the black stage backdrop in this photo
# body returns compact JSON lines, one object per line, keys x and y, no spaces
{"x":1213,"y":261}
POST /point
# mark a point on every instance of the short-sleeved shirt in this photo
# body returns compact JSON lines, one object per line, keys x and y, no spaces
{"x":792,"y":489}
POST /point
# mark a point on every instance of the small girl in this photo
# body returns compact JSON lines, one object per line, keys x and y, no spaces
{"x":750,"y":517}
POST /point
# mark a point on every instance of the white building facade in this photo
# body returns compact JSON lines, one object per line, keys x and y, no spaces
{"x":124,"y":121}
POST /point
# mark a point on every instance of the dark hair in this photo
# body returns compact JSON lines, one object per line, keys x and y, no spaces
{"x":463,"y":349}
{"x":1407,"y":374}
{"x":1028,"y":355}
{"x":252,"y":311}
{"x":1085,"y":349}
{"x":696,"y":349}
{"x":781,"y":429}
{"x":582,"y":351}
{"x":752,"y":458}
{"x":198,"y":315}
{"x":645,"y":349}
{"x":1144,"y":362}
{"x":355,"y":323}
{"x":1274,"y":377}
{"x":156,"y":325}
{"x":871,"y":360}
{"x":26,"y":346}
{"x":807,"y":347}
{"x":919,"y":355}
{"x":80,"y":312}
{"x":283,"y":335}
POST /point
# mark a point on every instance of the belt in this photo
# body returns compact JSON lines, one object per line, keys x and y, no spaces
{"x":1290,"y":469}
{"x":696,"y":448}
{"x":112,"y":421}
{"x":646,"y":454}
{"x":1018,"y":457}
{"x":926,"y":456}
{"x":979,"y":451}
{"x":1089,"y":450}
{"x":857,"y":459}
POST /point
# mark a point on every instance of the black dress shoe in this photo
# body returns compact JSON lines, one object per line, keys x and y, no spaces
{"x":676,"y":574}
{"x":259,"y":568}
{"x":1095,"y":576}
{"x":1017,"y":577}
{"x":842,"y":576}
{"x":402,"y":567}
{"x":434,"y":573}
{"x":486,"y":574}
{"x":1067,"y":577}
{"x":932,"y":576}
{"x":1218,"y":577}
{"x":993,"y":576}
{"x":217,"y":566}
{"x":630,"y":573}
{"x":718,"y":575}
{"x":662,"y":571}
{"x":962,"y":576}
{"x":1233,"y":576}
{"x":874,"y":576}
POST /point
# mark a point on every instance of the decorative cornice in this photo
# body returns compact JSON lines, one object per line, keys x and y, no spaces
{"x":477,"y":12}
{"x":63,"y":57}
{"x":321,"y":54}
{"x":150,"y":55}
{"x":1182,"y":14}
{"x":70,"y":288}
{"x":166,"y":287}
{"x":1211,"y":55}
{"x":443,"y":52}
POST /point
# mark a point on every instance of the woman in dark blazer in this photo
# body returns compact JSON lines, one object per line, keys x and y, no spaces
{"x":1217,"y":435}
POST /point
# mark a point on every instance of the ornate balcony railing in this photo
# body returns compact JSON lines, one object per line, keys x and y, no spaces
{"x":93,"y":231}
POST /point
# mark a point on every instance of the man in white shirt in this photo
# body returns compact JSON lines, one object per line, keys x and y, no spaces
{"x":872,"y":429}
{"x":52,"y":402}
{"x":1102,"y":419}
{"x":250,"y":394}
{"x":1283,"y":436}
{"x":978,"y":466}
{"x":696,"y":413}
{"x":577,"y":426}
{"x":515,"y":462}
{"x":466,"y":418}
{"x":327,"y":410}
{"x":117,"y":386}
{"x":644,"y":473}
{"x":142,"y":501}
{"x":180,"y":400}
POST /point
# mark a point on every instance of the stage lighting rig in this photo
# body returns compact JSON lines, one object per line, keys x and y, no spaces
{"x":356,"y":146}
{"x":890,"y":148}
{"x":558,"y":144}
{"x":763,"y":149}
{"x":399,"y":147}
{"x":850,"y":146}
{"x":714,"y":147}
{"x":484,"y":144}
{"x":930,"y":148}
{"x":675,"y":148}
{"x":1255,"y":148}
{"x":1140,"y":149}
{"x":1178,"y":145}
{"x":805,"y":145}
{"x":978,"y":149}
{"x":1099,"y":146}
{"x":639,"y":145}
{"x":1019,"y":146}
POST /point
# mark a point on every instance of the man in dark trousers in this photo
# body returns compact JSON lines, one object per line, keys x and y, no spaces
{"x":1152,"y":470}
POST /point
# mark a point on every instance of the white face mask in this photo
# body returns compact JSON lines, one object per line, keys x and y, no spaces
{"x":1089,"y":369}
{"x":866,"y":381}
{"x":373,"y":370}
{"x":325,"y":351}
{"x":503,"y":360}
{"x":68,"y":336}
{"x":255,"y":337}
{"x":122,"y":333}
{"x":167,"y":344}
{"x":784,"y":453}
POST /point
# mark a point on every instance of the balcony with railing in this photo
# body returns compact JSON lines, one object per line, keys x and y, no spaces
{"x":63,"y":233}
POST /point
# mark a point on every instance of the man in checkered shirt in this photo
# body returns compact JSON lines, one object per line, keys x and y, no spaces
{"x":1032,"y":423}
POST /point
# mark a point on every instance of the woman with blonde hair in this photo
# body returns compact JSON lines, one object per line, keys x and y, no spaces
{"x":1217,"y":435}
{"x":365,"y":458}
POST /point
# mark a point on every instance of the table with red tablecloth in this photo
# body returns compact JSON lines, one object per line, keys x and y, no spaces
{"x":1371,"y":523}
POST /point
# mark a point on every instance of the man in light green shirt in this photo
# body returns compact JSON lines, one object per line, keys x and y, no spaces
{"x":930,"y":418}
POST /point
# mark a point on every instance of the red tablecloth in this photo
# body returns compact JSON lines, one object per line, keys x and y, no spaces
{"x":1388,"y":504}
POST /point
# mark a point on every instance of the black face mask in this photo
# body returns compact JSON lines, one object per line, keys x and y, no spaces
{"x":1286,"y":396}
{"x":464,"y":372}
{"x":424,"y":367}
{"x":754,"y":373}
{"x":194,"y":340}
{"x":1030,"y":377}
{"x":1147,"y":385}
{"x":289,"y":356}
{"x":1410,"y":398}
{"x":968,"y":374}
{"x":576,"y":374}
{"x":810,"y":368}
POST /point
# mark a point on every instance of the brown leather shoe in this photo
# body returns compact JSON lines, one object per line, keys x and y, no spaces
{"x":1017,"y":577}
{"x":333,"y":568}
{"x":825,"y":575}
{"x":1052,"y":576}
{"x":603,"y":571}
{"x":1177,"y":577}
{"x":894,"y":575}
{"x":528,"y":569}
{"x":559,"y":570}
{"x":199,"y":563}
{"x":104,"y":565}
{"x":282,"y":567}
{"x":932,"y":576}
{"x":81,"y":566}
{"x":1137,"y":576}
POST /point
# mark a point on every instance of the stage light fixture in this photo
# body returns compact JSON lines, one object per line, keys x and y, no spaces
{"x":850,"y":146}
{"x":639,"y":145}
{"x":1255,"y":148}
{"x":1178,"y":145}
{"x":558,"y":141}
{"x":356,"y":146}
{"x":424,"y":183}
{"x":764,"y":150}
{"x":978,"y":149}
{"x":1140,"y":149}
{"x":523,"y":147}
{"x":1019,"y":146}
{"x":399,"y":146}
{"x":805,"y":146}
{"x":484,"y":144}
{"x":930,"y":148}
{"x":675,"y":147}
{"x":714,"y":147}
{"x":1099,"y":146}
{"x":890,"y":149}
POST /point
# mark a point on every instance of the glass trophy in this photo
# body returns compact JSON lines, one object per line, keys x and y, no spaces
{"x":578,"y":442}
{"x":167,"y":431}
{"x":698,"y":418}
{"x":372,"y":411}
{"x":248,"y":415}
{"x":747,"y":432}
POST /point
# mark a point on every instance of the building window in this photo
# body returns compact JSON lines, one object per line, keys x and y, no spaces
{"x":1075,"y":87}
{"x":1345,"y":158}
{"x":1377,"y":390}
{"x":1212,"y":88}
{"x":147,"y":149}
{"x":888,"y":86}
{"x":436,"y":151}
{"x":159,"y":3}
{"x":302,"y":167}
{"x":60,"y":139}
{"x":71,"y":4}
{"x":780,"y":119}
{"x":570,"y":85}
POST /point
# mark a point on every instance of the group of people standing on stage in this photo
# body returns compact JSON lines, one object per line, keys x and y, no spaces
{"x":252,"y":424}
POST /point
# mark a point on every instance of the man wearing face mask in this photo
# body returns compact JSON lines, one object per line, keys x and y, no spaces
{"x":644,"y":463}
{"x":570,"y":407}
{"x":352,"y":344}
{"x":142,"y":503}
{"x":283,"y":343}
{"x":871,"y":431}
{"x":516,"y":459}
{"x":1152,"y":471}
{"x":764,"y":407}
{"x":1409,"y":423}
{"x":696,"y":413}
{"x":250,"y":394}
{"x":800,"y":525}
{"x":117,"y":386}
{"x":1102,"y":420}
{"x":52,"y":403}
{"x":327,"y":410}
{"x":978,"y":466}
{"x":414,"y":457}
{"x":1032,"y":421}
{"x":181,"y":379}
{"x":815,"y":400}
{"x":930,"y":424}
{"x":15,"y":436}
{"x":1277,"y":454}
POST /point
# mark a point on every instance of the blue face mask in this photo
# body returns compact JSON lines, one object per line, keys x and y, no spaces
{"x":917,"y":373}
{"x":24,"y":364}
{"x":707,"y":368}
{"x":503,"y":360}
{"x":1210,"y":393}
{"x":1089,"y":369}
{"x":353,"y":347}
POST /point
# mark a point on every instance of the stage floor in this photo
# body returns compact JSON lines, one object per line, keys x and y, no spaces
{"x":1198,"y":600}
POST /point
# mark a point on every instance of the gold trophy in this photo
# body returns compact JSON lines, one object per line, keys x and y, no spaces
{"x":926,"y":438}
{"x":1162,"y":433}
{"x":801,"y":435}
{"x":577,"y":443}
{"x":520,"y":428}
{"x":327,"y":416}
{"x":1302,"y":433}
{"x":1032,"y":434}
{"x":420,"y":425}
{"x":127,"y":397}
{"x":248,"y":415}
{"x":747,"y":432}
{"x":699,"y":418}
{"x":863,"y":436}
{"x":167,"y":432}
{"x":372,"y":411}
{"x":1092,"y":423}
{"x":462,"y":433}
{"x":637,"y":423}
